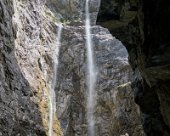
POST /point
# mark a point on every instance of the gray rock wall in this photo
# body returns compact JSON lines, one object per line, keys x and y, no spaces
{"x":70,"y":11}
{"x":28,"y":40}
{"x":115,"y":111}
{"x":19,"y":115}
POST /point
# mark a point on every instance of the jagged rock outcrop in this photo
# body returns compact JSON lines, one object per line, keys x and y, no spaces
{"x":143,"y":27}
{"x":115,"y":111}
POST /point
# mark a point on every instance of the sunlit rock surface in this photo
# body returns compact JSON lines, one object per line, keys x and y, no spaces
{"x":35,"y":45}
{"x":27,"y":44}
{"x":19,"y":115}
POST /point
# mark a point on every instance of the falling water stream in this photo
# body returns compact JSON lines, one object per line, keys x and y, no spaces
{"x":52,"y":99}
{"x":91,"y":80}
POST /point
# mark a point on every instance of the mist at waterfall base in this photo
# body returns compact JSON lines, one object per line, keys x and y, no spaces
{"x":52,"y":99}
{"x":91,"y":79}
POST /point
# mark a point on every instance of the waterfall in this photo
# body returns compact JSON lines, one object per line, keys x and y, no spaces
{"x":52,"y":99}
{"x":91,"y":80}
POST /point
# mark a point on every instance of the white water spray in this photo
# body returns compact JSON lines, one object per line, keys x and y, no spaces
{"x":52,"y":98}
{"x":91,"y":80}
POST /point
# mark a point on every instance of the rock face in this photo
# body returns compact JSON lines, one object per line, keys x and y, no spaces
{"x":145,"y":35}
{"x":71,"y":11}
{"x":18,"y":114}
{"x":115,"y":110}
{"x":28,"y":39}
{"x":25,"y":63}
{"x":35,"y":43}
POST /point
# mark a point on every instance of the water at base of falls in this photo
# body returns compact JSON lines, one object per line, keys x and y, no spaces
{"x":91,"y":80}
{"x":52,"y":99}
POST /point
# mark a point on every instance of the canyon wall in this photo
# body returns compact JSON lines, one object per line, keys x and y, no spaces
{"x":19,"y":115}
{"x":143,"y":27}
{"x":28,"y":39}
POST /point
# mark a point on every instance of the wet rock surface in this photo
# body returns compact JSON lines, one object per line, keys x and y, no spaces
{"x":115,"y":111}
{"x":35,"y":43}
{"x":26,"y":67}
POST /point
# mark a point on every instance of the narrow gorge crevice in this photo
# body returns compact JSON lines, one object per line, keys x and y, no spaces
{"x":143,"y":27}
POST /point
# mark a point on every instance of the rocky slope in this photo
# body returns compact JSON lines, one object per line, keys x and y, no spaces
{"x":28,"y":40}
{"x":143,"y":27}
